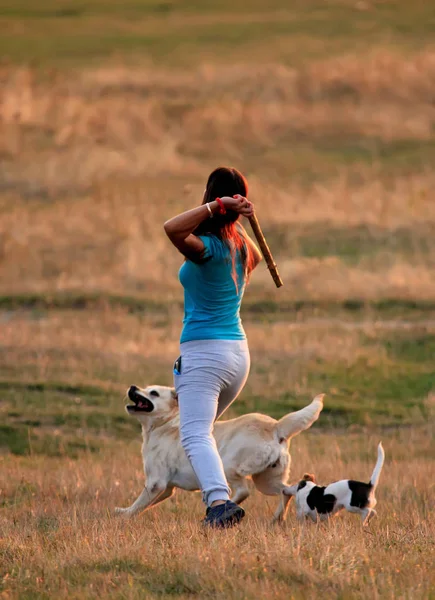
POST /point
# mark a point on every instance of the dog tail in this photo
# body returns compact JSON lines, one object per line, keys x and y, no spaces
{"x":298,"y":421}
{"x":374,"y":479}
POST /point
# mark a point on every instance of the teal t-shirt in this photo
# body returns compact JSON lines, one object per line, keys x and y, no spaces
{"x":211,"y":300}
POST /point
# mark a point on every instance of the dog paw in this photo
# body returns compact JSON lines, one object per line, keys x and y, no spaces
{"x":122,"y":512}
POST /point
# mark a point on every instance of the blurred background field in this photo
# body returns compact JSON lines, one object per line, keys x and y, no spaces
{"x":111,"y":117}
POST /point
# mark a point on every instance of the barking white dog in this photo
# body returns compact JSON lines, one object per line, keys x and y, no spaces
{"x":253,"y":445}
{"x":313,"y":501}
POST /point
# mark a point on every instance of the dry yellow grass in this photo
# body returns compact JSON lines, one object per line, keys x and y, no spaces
{"x":59,"y":537}
{"x":114,"y":240}
{"x":70,"y":133}
{"x":93,"y":164}
{"x":375,"y":373}
{"x":339,"y":152}
{"x":81,"y":346}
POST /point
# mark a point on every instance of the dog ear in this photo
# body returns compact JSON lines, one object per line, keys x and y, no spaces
{"x":174,"y":394}
{"x":309,"y":477}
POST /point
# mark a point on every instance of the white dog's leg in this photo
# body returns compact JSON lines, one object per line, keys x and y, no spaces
{"x":239,"y":488}
{"x":313,"y":516}
{"x":323,"y":517}
{"x":372,"y":514}
{"x":281,"y":511}
{"x":150,"y":495}
{"x":367,"y":514}
{"x":166,"y":494}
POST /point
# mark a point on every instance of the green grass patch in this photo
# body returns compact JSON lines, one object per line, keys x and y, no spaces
{"x":22,"y":441}
{"x":53,"y":386}
{"x":407,"y":155}
{"x":153,"y":583}
{"x":79,"y":301}
{"x":57,"y":419}
{"x":60,"y":9}
{"x":387,"y":383}
{"x":15,"y":439}
{"x":380,"y":394}
{"x":252,"y":307}
{"x":80,"y":31}
{"x":413,"y":348}
{"x":355,"y":244}
{"x":389,"y":308}
{"x":309,"y":158}
{"x":389,"y":390}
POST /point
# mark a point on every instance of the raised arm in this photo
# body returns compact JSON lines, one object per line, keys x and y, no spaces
{"x":180,"y":229}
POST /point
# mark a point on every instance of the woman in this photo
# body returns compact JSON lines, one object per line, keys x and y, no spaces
{"x":214,"y":362}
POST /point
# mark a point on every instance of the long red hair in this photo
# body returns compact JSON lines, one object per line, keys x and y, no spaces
{"x":227,"y":181}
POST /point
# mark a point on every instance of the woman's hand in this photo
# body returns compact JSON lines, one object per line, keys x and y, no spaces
{"x":239,"y":204}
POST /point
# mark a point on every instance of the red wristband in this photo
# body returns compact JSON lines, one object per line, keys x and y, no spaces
{"x":221,"y":206}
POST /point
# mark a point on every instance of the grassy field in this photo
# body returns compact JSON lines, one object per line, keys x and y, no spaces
{"x":63,"y":542}
{"x":177,"y":31}
{"x":111,"y":116}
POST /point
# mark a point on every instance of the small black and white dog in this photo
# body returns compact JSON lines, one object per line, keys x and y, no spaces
{"x":315,"y":502}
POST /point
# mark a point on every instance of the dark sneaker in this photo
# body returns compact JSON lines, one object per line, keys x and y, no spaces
{"x":223,"y":515}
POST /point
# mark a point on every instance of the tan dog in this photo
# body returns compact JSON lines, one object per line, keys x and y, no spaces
{"x":253,"y":445}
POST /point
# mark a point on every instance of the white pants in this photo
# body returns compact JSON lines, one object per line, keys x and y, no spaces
{"x":212,"y":374}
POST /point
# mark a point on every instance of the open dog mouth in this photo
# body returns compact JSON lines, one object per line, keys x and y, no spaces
{"x":141,"y":402}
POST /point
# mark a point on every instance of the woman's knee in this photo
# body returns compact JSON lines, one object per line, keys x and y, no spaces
{"x":195,"y":438}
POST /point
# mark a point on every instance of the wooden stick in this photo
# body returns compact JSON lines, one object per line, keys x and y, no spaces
{"x":265,"y":250}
